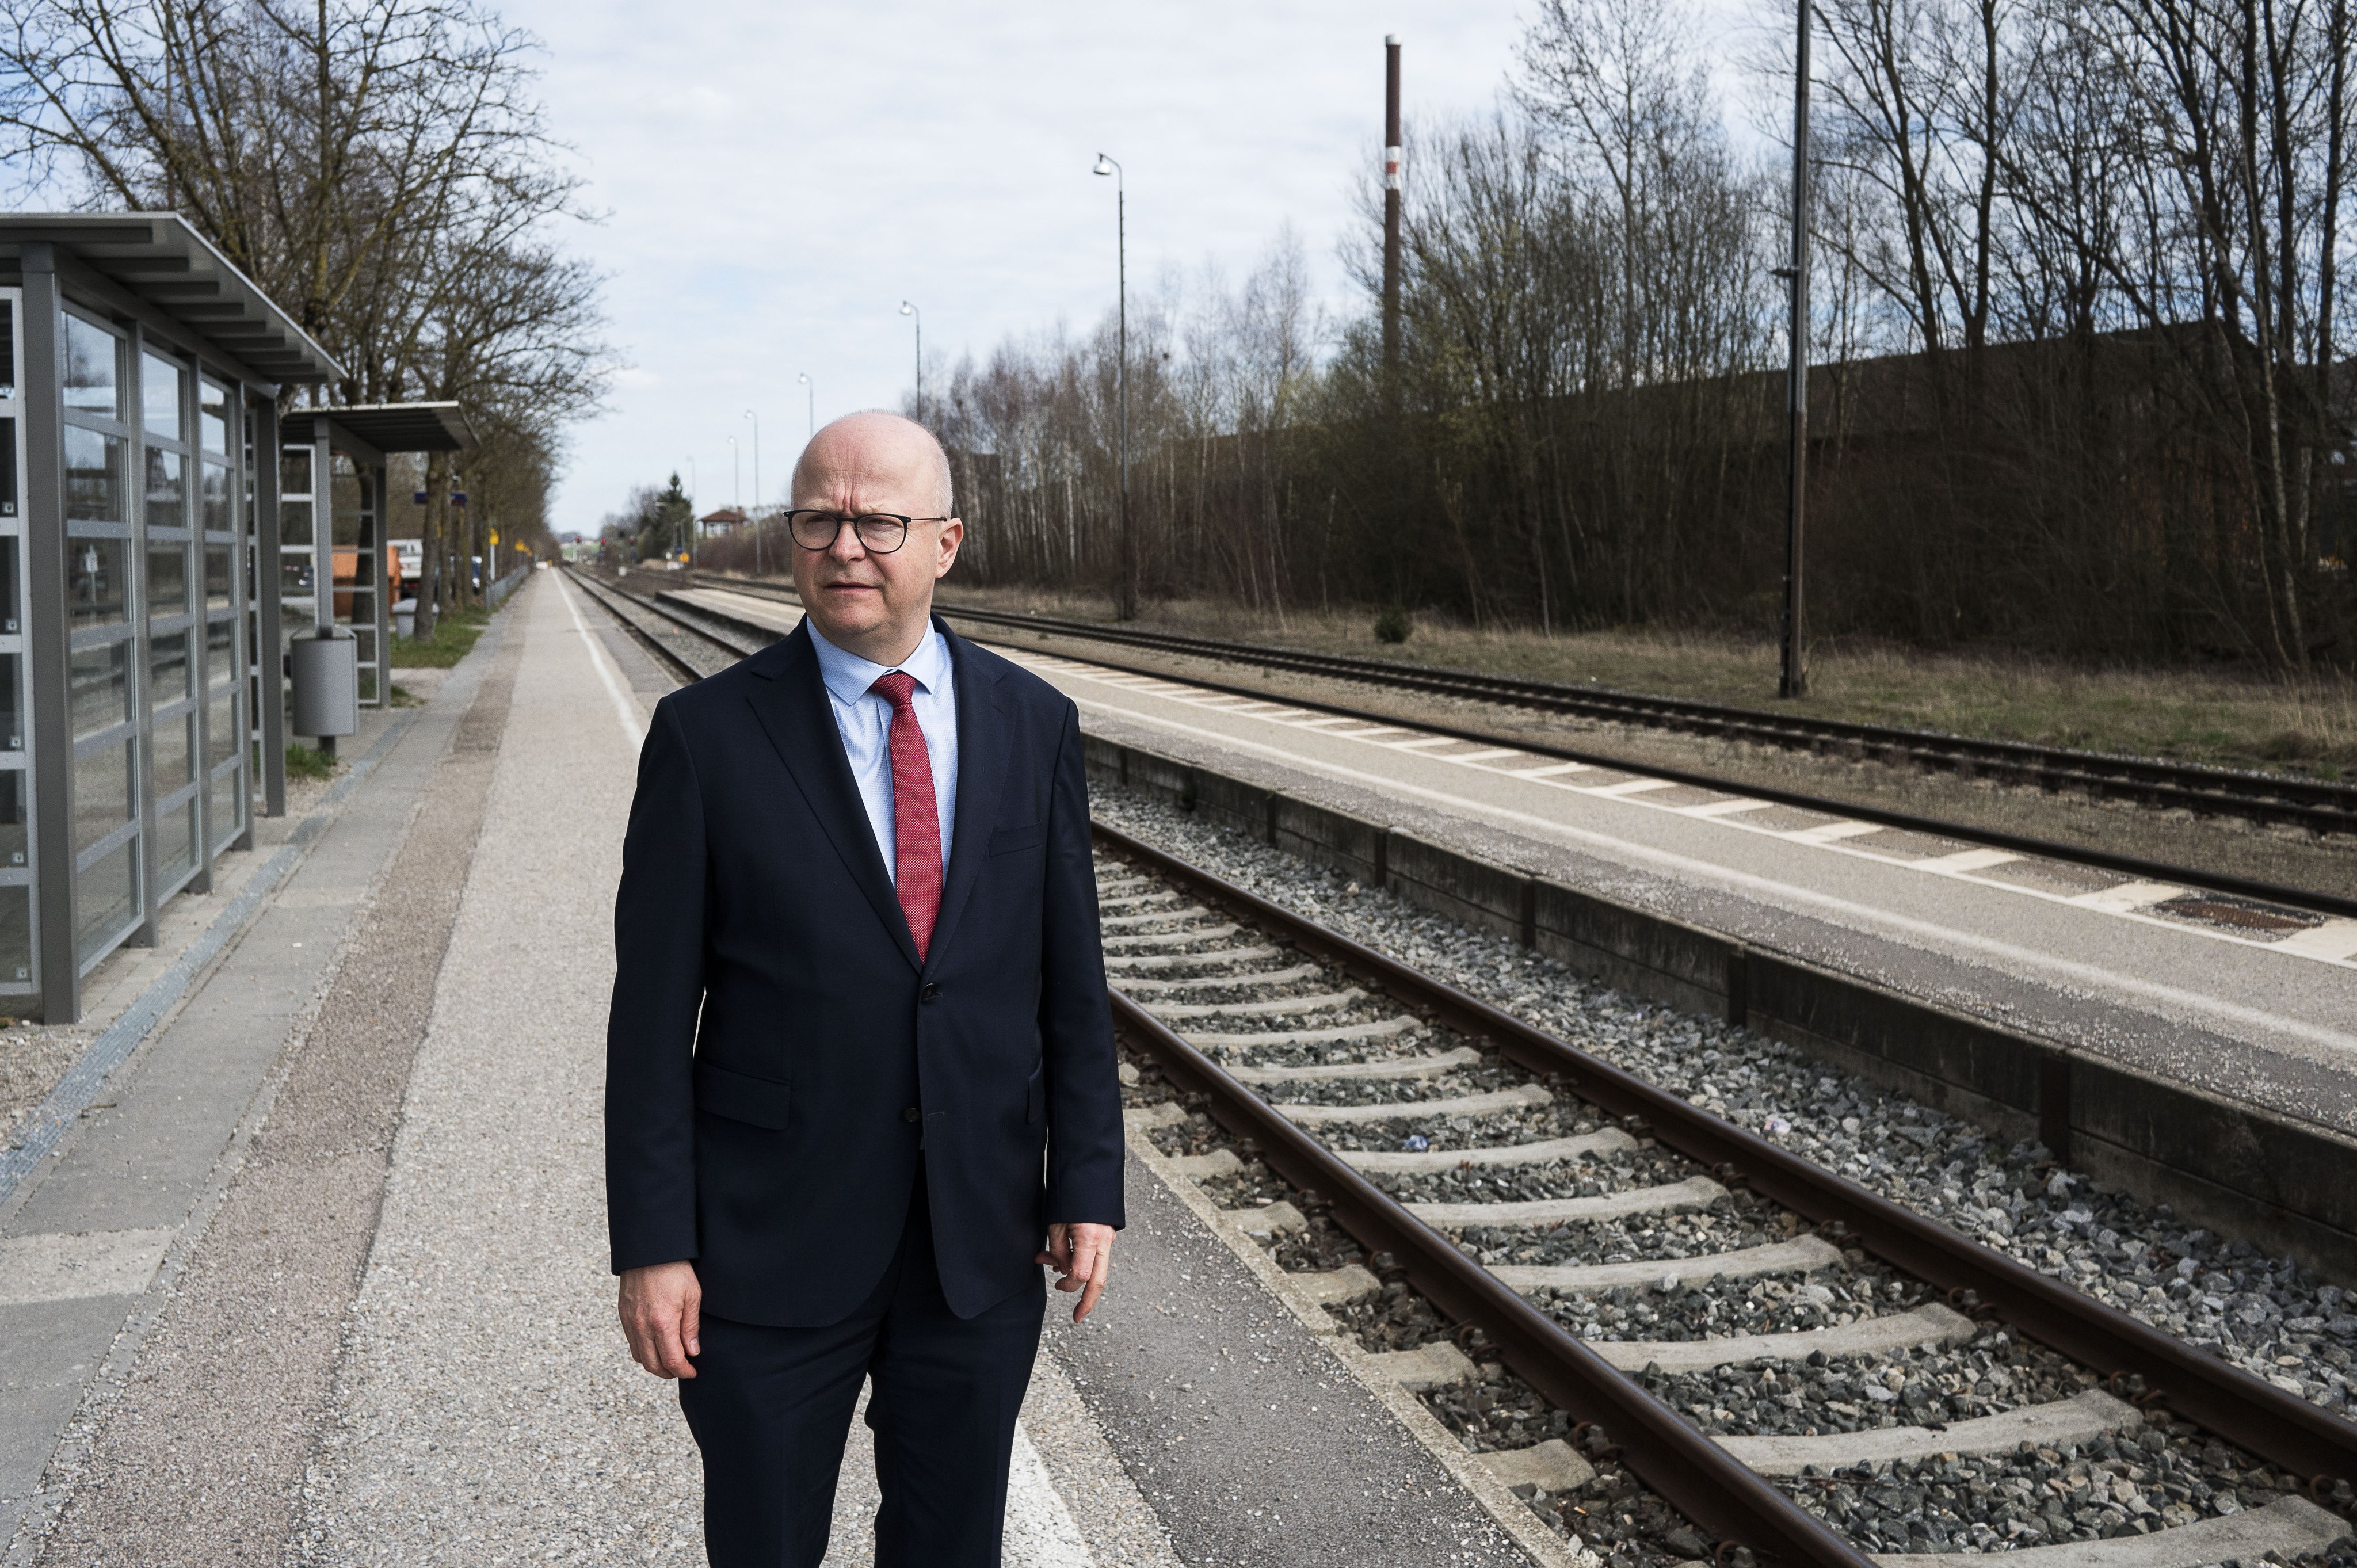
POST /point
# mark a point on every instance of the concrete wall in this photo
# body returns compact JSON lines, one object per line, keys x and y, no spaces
{"x":2239,"y":1171}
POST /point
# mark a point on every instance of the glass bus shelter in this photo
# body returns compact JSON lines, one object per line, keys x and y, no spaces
{"x":138,"y":433}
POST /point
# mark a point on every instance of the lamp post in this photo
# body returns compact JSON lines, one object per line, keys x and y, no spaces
{"x":693,"y":485}
{"x":757,"y":490}
{"x":910,"y":310}
{"x":1126,"y":594}
{"x":804,"y":379}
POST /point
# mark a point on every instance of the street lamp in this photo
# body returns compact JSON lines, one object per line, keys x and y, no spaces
{"x":804,"y":379}
{"x":1125,"y":595}
{"x":692,"y":486}
{"x":757,"y":490}
{"x":907,"y":309}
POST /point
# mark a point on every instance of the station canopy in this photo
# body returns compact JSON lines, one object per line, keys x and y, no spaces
{"x":156,"y":262}
{"x":387,"y":426}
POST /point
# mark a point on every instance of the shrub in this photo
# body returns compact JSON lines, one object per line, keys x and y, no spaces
{"x":1393,"y":624}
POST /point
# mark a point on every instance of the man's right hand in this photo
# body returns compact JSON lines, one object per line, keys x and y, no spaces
{"x":661,"y":1309}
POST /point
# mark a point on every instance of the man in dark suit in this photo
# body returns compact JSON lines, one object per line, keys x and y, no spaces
{"x":859,"y":1008}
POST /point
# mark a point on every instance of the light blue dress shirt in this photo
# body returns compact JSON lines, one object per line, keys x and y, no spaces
{"x":865,"y":720}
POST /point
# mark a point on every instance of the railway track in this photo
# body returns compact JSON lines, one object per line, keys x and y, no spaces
{"x":712,"y":638}
{"x":1688,"y":1340}
{"x":1518,"y":1184}
{"x":2318,"y":805}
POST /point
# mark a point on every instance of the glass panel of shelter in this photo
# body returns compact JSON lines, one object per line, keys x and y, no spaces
{"x":173,"y":669}
{"x":106,"y":660}
{"x":15,"y":776}
{"x":219,"y":588}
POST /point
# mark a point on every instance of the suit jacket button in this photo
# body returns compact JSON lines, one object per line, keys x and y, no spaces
{"x":930,"y":991}
{"x":911,"y":1114}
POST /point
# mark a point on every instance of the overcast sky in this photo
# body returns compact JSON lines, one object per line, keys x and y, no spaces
{"x":777,"y":179}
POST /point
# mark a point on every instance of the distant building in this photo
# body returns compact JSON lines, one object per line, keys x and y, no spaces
{"x":728,"y":520}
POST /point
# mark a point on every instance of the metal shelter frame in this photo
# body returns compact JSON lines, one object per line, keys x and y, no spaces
{"x":363,"y":435}
{"x":143,"y":377}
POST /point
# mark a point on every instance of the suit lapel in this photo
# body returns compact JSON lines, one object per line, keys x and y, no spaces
{"x":792,"y":707}
{"x":983,"y":730}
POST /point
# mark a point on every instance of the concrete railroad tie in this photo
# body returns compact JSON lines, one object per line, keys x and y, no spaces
{"x":1694,"y":1192}
{"x":1170,"y":939}
{"x":1516,"y":1098}
{"x":2057,"y":1424}
{"x":1379,"y":1029}
{"x":2287,"y":1528}
{"x":1282,"y":1006}
{"x":1389,"y":1068}
{"x":1219,"y":981}
{"x":1151,"y":918}
{"x":1794,"y":1257}
{"x":1130,"y":963}
{"x":1547,"y":1151}
{"x":1887,"y":1335}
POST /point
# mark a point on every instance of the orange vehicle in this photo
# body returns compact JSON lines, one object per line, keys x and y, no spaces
{"x":348,"y":571}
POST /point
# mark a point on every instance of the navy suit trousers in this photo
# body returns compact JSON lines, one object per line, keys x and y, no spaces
{"x":772,"y":1407}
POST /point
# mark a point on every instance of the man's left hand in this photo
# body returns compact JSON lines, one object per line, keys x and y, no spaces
{"x":1082,"y":1255}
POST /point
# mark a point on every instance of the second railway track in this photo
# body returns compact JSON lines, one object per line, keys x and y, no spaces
{"x":696,"y":641}
{"x":2322,"y":806}
{"x":1654,"y":1307}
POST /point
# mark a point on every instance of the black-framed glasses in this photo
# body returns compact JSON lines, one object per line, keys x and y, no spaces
{"x":881,"y":533}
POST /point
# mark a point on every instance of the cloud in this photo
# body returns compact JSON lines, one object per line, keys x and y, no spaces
{"x":778,"y":178}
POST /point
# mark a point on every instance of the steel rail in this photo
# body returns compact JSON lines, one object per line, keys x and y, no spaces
{"x":2223,"y":1399}
{"x":668,"y":656}
{"x":1693,"y":1474}
{"x":2128,"y":866}
{"x":2319,"y":805}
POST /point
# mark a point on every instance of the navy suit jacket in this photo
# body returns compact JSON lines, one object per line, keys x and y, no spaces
{"x":777,"y":1056}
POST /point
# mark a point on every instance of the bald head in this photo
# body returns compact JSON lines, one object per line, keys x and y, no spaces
{"x":874,"y":453}
{"x":875,"y":598}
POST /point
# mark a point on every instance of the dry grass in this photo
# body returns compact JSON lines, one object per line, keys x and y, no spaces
{"x":2191,"y":715}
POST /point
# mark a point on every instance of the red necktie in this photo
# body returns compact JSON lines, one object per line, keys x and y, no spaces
{"x":916,"y":824}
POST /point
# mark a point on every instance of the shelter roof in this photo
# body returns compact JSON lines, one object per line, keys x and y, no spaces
{"x":167,"y":265}
{"x":389,"y":427}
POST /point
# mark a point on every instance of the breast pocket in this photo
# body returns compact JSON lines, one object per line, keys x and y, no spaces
{"x":1007,"y":840}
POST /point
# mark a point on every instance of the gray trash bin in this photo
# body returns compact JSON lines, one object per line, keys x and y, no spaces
{"x":326,"y":665}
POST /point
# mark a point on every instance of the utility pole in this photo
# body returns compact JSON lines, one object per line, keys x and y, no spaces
{"x":1795,"y":679}
{"x":1393,"y":152}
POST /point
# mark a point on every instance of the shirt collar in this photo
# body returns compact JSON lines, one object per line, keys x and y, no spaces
{"x":848,"y":676}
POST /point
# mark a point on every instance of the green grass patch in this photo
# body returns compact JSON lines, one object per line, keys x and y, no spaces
{"x":454,"y":633}
{"x":309,"y":762}
{"x":2197,"y":714}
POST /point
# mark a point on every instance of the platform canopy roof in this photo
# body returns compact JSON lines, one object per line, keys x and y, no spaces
{"x":388,"y":426}
{"x":161,"y":263}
